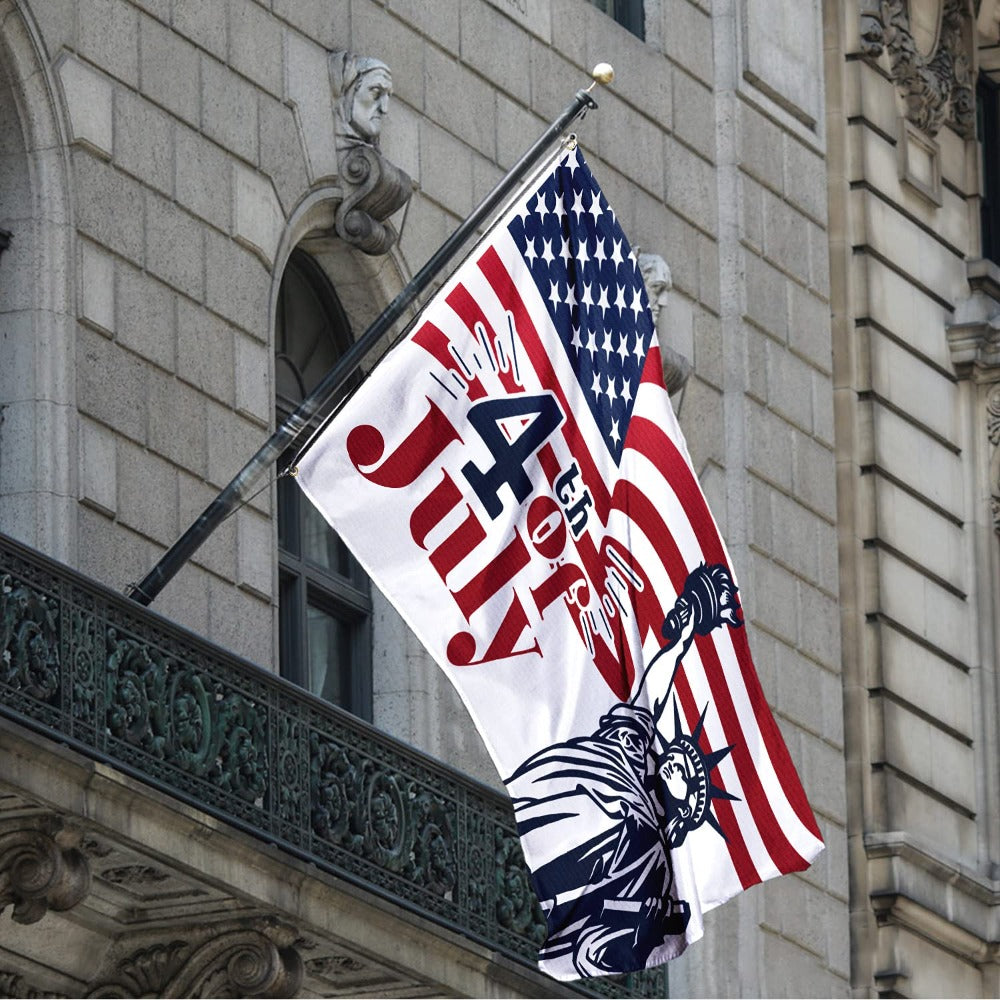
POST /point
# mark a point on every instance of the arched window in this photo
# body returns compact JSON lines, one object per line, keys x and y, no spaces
{"x":324,"y":596}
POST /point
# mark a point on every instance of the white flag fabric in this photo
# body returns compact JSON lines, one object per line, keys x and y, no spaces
{"x":513,"y":478}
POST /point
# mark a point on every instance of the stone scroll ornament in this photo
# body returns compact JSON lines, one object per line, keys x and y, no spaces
{"x":993,"y":432}
{"x":41,"y":869}
{"x":374,"y":188}
{"x":936,"y":87}
{"x":240,"y":959}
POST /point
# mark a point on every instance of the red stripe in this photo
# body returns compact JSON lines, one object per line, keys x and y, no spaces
{"x":649,"y":440}
{"x":642,"y":512}
{"x":467,"y":309}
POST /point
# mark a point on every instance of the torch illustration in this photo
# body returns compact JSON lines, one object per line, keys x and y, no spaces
{"x":709,"y":598}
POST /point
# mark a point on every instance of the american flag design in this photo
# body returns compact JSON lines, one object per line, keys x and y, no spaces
{"x":512,"y":476}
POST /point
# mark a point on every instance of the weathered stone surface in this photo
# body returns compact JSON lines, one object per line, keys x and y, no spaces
{"x":89,"y":103}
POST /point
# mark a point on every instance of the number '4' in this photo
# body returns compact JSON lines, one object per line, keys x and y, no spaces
{"x":536,"y":416}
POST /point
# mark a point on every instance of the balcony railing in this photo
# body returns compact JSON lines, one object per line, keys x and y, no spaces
{"x":118,"y":683}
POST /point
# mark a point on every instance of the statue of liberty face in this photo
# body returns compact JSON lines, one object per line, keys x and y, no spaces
{"x":675,"y":772}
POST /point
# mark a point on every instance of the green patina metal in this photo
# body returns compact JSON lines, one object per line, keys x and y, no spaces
{"x":118,"y":683}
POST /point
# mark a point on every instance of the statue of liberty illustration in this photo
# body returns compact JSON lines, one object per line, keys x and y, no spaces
{"x":610,"y":900}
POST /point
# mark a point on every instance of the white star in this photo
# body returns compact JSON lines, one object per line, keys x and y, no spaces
{"x":588,"y":299}
{"x":606,"y":345}
{"x":571,"y":161}
{"x":547,"y":254}
{"x":620,"y":299}
{"x":612,"y":394}
{"x":596,"y":387}
{"x":636,"y":304}
{"x":577,"y":208}
{"x":592,"y":347}
{"x":602,"y":302}
{"x":639,"y":350}
{"x":595,"y":206}
{"x":570,"y":294}
{"x":530,"y":253}
{"x":627,"y":391}
{"x":616,"y":254}
{"x":576,"y":342}
{"x":614,"y":435}
{"x":543,"y":207}
{"x":565,"y":250}
{"x":622,"y":351}
{"x":554,"y":297}
{"x":599,"y":255}
{"x":560,"y":209}
{"x":581,"y":253}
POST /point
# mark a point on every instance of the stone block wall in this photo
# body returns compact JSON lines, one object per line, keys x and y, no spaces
{"x":758,"y":412}
{"x":918,"y":680}
{"x":196,"y":135}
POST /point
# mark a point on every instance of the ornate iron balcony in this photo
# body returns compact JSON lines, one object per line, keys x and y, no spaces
{"x":116,"y":682}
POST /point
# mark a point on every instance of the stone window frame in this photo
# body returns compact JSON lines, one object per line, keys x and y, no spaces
{"x":630,"y":14}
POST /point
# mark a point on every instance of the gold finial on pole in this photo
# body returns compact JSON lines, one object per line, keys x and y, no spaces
{"x":602,"y":73}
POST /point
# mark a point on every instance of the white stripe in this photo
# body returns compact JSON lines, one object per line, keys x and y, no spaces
{"x":659,"y":492}
{"x":695,"y":673}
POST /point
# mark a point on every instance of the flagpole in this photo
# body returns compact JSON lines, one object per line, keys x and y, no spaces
{"x":333,"y":383}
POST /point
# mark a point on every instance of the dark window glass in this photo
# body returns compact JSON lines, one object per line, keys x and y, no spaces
{"x":628,"y":13}
{"x":325,"y":602}
{"x":988,"y":129}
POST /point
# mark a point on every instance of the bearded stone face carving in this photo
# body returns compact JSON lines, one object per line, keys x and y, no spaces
{"x":374,"y":189}
{"x":362,"y":87}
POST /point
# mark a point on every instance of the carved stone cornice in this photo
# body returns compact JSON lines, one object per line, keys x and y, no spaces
{"x":17,"y":987}
{"x":232,"y":960}
{"x":41,"y":869}
{"x":937,"y":87}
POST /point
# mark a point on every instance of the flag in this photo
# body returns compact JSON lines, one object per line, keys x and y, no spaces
{"x":513,"y":477}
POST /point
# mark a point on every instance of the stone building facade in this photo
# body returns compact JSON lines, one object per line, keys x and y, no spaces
{"x":814,"y":177}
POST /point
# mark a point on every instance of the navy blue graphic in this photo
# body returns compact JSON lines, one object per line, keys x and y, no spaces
{"x":593,"y":289}
{"x":610,"y":900}
{"x":509,"y":456}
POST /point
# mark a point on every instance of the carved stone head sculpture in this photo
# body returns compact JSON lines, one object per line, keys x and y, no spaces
{"x":373,"y":187}
{"x":362,"y":86}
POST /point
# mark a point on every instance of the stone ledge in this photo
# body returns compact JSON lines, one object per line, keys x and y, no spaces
{"x":915,"y":885}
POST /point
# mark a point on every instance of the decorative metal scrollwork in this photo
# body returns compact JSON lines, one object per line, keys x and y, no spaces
{"x":395,"y":825}
{"x":937,"y":87}
{"x":136,"y":693}
{"x":517,"y":904}
{"x":177,"y":714}
{"x":29,"y":652}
